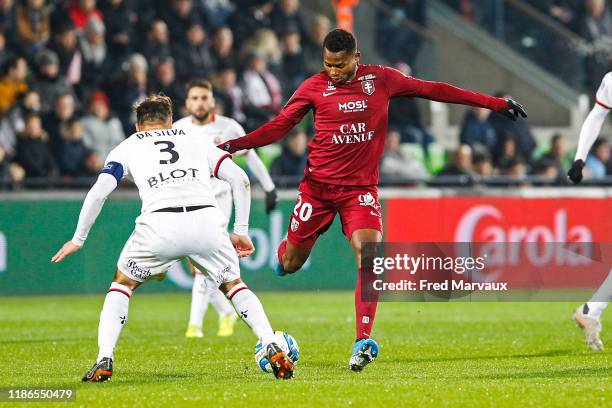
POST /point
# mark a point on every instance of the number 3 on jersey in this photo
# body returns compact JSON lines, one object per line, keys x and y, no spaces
{"x":302,"y":210}
{"x":168,"y":149}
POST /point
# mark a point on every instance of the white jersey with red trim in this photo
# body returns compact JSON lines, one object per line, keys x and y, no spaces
{"x":604,"y":93}
{"x":219,"y":130}
{"x":170,"y":167}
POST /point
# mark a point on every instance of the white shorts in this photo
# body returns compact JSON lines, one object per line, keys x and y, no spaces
{"x":162,"y":238}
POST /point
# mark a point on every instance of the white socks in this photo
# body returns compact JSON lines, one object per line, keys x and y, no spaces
{"x":220,"y":303}
{"x":250,"y":309}
{"x":112,"y":318}
{"x":596,"y":309}
{"x":200,"y":295}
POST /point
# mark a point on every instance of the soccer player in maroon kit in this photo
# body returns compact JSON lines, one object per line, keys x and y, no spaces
{"x":350,"y":103}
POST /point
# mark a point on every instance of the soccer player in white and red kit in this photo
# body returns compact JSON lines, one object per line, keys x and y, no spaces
{"x":350,"y":103}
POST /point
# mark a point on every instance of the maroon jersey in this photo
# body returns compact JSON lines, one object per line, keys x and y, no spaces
{"x":351,"y":120}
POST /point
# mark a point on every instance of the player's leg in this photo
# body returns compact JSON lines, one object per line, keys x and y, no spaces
{"x":311,"y":217}
{"x":200,"y":296}
{"x":227,"y":316}
{"x":588,"y":315}
{"x":215,"y":255}
{"x":365,"y":349}
{"x":112,"y":319}
{"x":362,"y":223}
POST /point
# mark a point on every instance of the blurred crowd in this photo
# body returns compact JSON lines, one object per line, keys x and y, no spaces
{"x":584,"y":62}
{"x":71,"y":70}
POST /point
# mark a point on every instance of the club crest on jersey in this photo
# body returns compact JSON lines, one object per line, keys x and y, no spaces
{"x":368,"y":86}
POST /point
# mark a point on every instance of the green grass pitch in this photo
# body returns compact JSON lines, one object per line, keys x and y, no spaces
{"x":453,"y":354}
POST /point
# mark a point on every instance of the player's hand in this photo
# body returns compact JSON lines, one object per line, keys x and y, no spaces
{"x":513,"y":110}
{"x":68,"y":249}
{"x":243,"y":245}
{"x":575,"y":172}
{"x":227,"y":146}
{"x":271,"y":200}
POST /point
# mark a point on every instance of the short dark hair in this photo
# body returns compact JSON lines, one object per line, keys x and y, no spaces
{"x":338,"y":40}
{"x":198,"y":83}
{"x":154,"y":109}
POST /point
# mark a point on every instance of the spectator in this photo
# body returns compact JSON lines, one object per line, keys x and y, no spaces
{"x":157,"y":44}
{"x":81,"y":11}
{"x":546,"y":171}
{"x":218,"y":11}
{"x":13,"y":122}
{"x":65,"y":46}
{"x":313,"y":43}
{"x":597,"y":160}
{"x":119,"y":31}
{"x":557,"y":153}
{"x":7,"y":21}
{"x":128,"y":90}
{"x":481,"y":162}
{"x":507,"y":151}
{"x":74,"y":158}
{"x":292,"y":160}
{"x":476,"y":129}
{"x":394,"y":164}
{"x":525,"y":143}
{"x":5,"y":53}
{"x":33,"y":153}
{"x":102,"y":130}
{"x":165,"y":82}
{"x":229,"y":95}
{"x":97,"y":66}
{"x":247,"y":20}
{"x":293,"y":62}
{"x":461,"y":165}
{"x":33,"y":24}
{"x":265,"y":43}
{"x":193,"y":58}
{"x":12,"y":83}
{"x":405,"y":115}
{"x":55,"y":122}
{"x":181,"y":17}
{"x":9,"y":172}
{"x":286,"y":16}
{"x":515,"y":169}
{"x":396,"y":41}
{"x":49,"y":83}
{"x":262,"y":91}
{"x":222,"y":50}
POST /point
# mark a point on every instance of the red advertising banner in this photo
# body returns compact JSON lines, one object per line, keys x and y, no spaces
{"x":498,"y":219}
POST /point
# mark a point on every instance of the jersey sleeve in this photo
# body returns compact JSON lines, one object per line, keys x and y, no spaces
{"x":215,"y":158}
{"x":299,"y":104}
{"x":115,"y":164}
{"x":604,"y":93}
{"x":399,"y":84}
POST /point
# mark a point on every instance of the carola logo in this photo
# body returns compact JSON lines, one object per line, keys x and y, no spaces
{"x":557,"y":232}
{"x":485,"y":223}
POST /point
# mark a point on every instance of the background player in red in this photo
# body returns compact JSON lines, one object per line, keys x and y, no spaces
{"x":350,"y":103}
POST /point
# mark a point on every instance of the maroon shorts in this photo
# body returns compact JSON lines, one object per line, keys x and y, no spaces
{"x":318,"y":203}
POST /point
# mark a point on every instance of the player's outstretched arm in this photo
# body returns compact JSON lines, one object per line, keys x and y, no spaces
{"x":588,"y":134}
{"x":92,"y":206}
{"x":264,"y":135}
{"x":261,"y":173}
{"x":241,"y":192}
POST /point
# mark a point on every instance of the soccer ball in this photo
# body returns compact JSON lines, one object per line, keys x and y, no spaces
{"x":286,"y":342}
